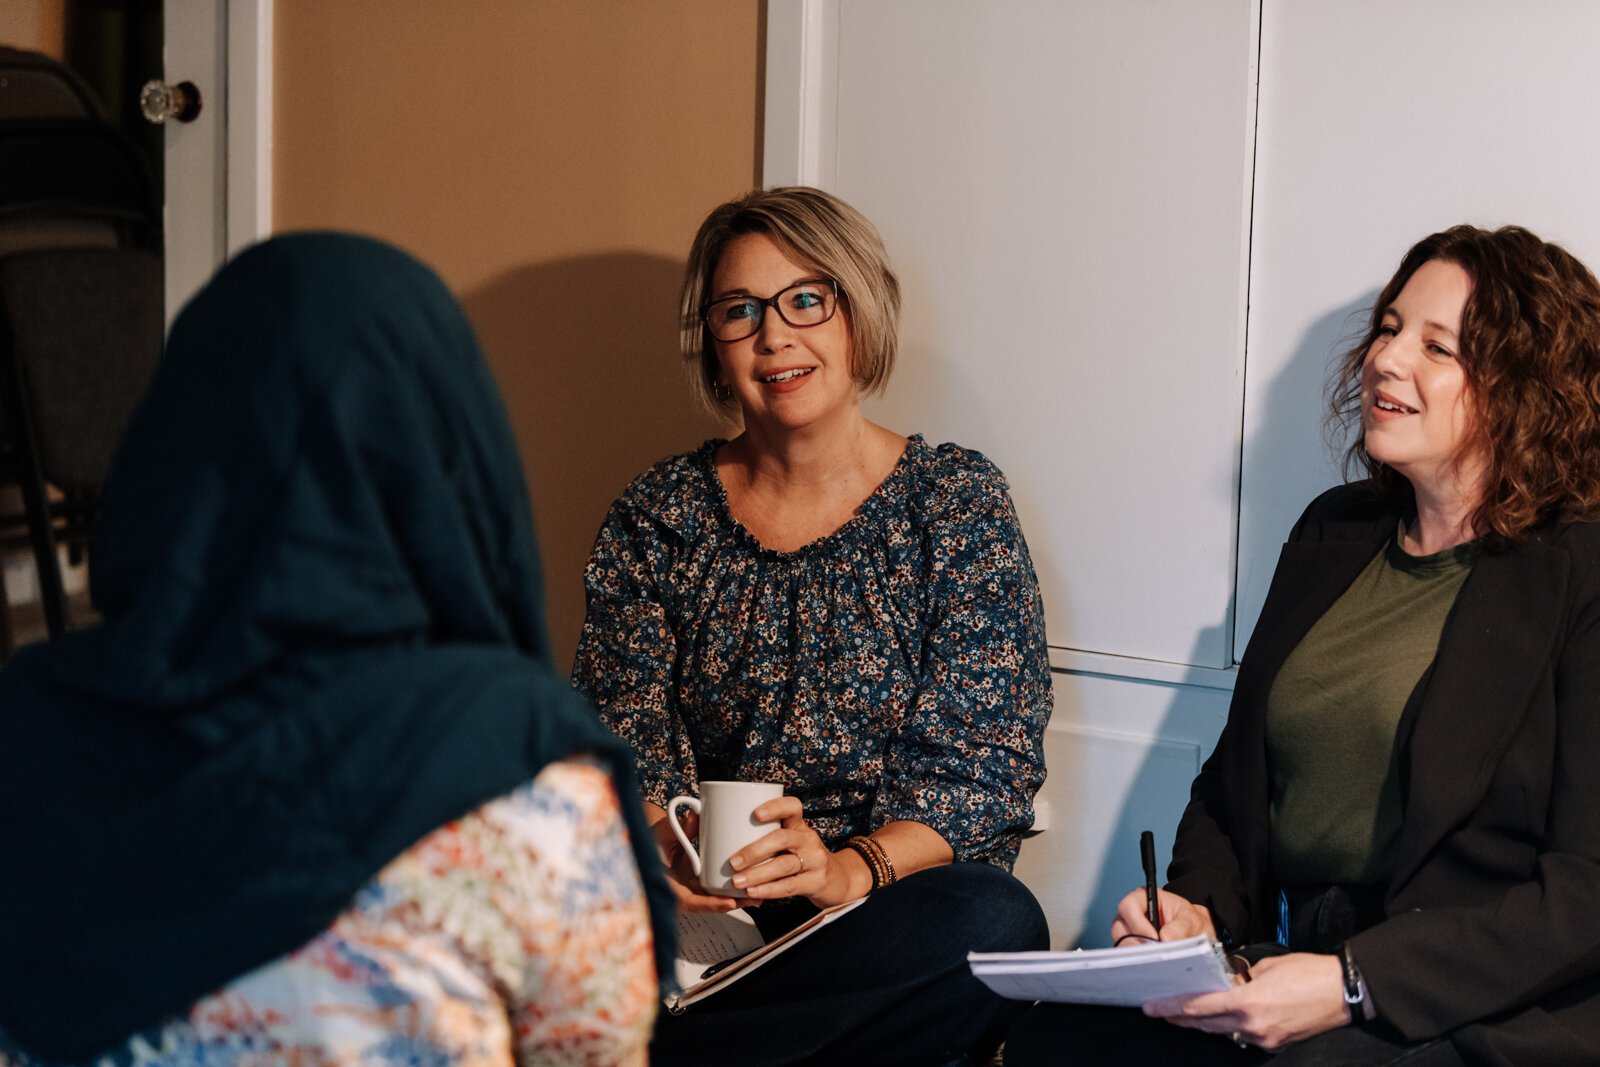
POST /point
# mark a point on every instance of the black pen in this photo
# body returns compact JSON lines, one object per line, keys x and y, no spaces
{"x":722,"y":965}
{"x":1147,"y":856}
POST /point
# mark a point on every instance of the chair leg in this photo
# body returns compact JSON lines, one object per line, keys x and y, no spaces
{"x":52,"y":594}
{"x":8,"y":640}
{"x":35,"y":501}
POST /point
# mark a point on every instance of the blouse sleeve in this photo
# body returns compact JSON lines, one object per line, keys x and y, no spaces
{"x":969,"y":756}
{"x":628,"y":654}
{"x":588,"y":991}
{"x":525,"y":925}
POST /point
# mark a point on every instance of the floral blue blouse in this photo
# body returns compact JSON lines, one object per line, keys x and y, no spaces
{"x":894,"y":669}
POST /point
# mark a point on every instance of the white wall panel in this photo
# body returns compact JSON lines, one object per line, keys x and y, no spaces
{"x":1382,"y":121}
{"x":1064,"y":189}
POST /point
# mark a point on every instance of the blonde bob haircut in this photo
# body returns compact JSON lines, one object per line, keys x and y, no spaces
{"x":821,"y":233}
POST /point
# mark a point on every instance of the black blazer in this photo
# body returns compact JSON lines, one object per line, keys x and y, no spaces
{"x":1492,"y":932}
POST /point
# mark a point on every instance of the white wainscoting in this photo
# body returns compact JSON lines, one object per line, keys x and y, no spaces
{"x":1121,"y":755}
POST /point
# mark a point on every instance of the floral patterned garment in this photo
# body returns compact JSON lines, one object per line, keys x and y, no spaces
{"x":517,"y":934}
{"x":894,"y":669}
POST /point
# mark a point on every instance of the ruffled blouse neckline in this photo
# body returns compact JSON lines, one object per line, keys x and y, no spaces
{"x":892,"y":489}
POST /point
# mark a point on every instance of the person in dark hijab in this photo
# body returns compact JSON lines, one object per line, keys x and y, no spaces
{"x":322,"y":656}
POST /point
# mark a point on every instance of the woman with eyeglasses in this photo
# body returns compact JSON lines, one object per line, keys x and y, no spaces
{"x":1401,"y":820}
{"x":824,"y":603}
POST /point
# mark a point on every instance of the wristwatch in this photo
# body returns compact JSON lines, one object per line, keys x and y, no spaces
{"x":1355,"y":987}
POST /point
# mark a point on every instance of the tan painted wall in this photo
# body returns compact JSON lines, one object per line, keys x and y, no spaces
{"x":551,"y":159}
{"x":35,"y":25}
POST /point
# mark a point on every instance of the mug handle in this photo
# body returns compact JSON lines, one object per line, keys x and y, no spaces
{"x":677,"y":827}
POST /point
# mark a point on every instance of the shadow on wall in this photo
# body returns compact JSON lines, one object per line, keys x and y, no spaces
{"x":1152,"y":797}
{"x":1289,"y":439}
{"x":1290,"y":458}
{"x":586,"y":354}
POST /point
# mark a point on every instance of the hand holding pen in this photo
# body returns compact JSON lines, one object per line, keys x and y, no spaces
{"x":1150,"y":913}
{"x":1147,"y":856}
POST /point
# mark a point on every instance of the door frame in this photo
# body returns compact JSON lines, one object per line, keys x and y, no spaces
{"x":218,"y":168}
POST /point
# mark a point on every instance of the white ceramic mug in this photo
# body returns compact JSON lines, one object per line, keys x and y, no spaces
{"x":726,"y":825}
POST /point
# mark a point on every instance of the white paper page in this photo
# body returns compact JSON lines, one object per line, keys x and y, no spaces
{"x":1125,"y":977}
{"x":705,"y":938}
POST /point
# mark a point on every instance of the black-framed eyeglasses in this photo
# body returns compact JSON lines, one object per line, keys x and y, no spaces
{"x":808,"y":303}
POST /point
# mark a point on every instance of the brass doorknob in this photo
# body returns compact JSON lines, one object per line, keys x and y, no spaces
{"x":160,"y":101}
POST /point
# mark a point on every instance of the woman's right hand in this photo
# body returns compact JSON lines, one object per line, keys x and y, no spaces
{"x":680,"y":871}
{"x":1179,"y":919}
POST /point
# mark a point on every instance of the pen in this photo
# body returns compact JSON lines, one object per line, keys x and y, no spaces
{"x":722,"y":965}
{"x":1147,"y":856}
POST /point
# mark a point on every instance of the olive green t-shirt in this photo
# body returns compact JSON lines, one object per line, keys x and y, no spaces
{"x":1334,"y":710}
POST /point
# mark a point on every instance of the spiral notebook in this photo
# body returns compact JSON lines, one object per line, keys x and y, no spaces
{"x":1118,"y":977}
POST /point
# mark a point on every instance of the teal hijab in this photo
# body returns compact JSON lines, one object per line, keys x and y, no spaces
{"x":322,"y":637}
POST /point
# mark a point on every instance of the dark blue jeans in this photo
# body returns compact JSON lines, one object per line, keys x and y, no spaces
{"x":887,"y":983}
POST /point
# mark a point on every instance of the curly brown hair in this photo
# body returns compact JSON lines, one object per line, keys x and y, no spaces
{"x":1530,"y":353}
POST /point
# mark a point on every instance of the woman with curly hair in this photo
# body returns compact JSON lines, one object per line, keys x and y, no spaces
{"x":1400,"y":824}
